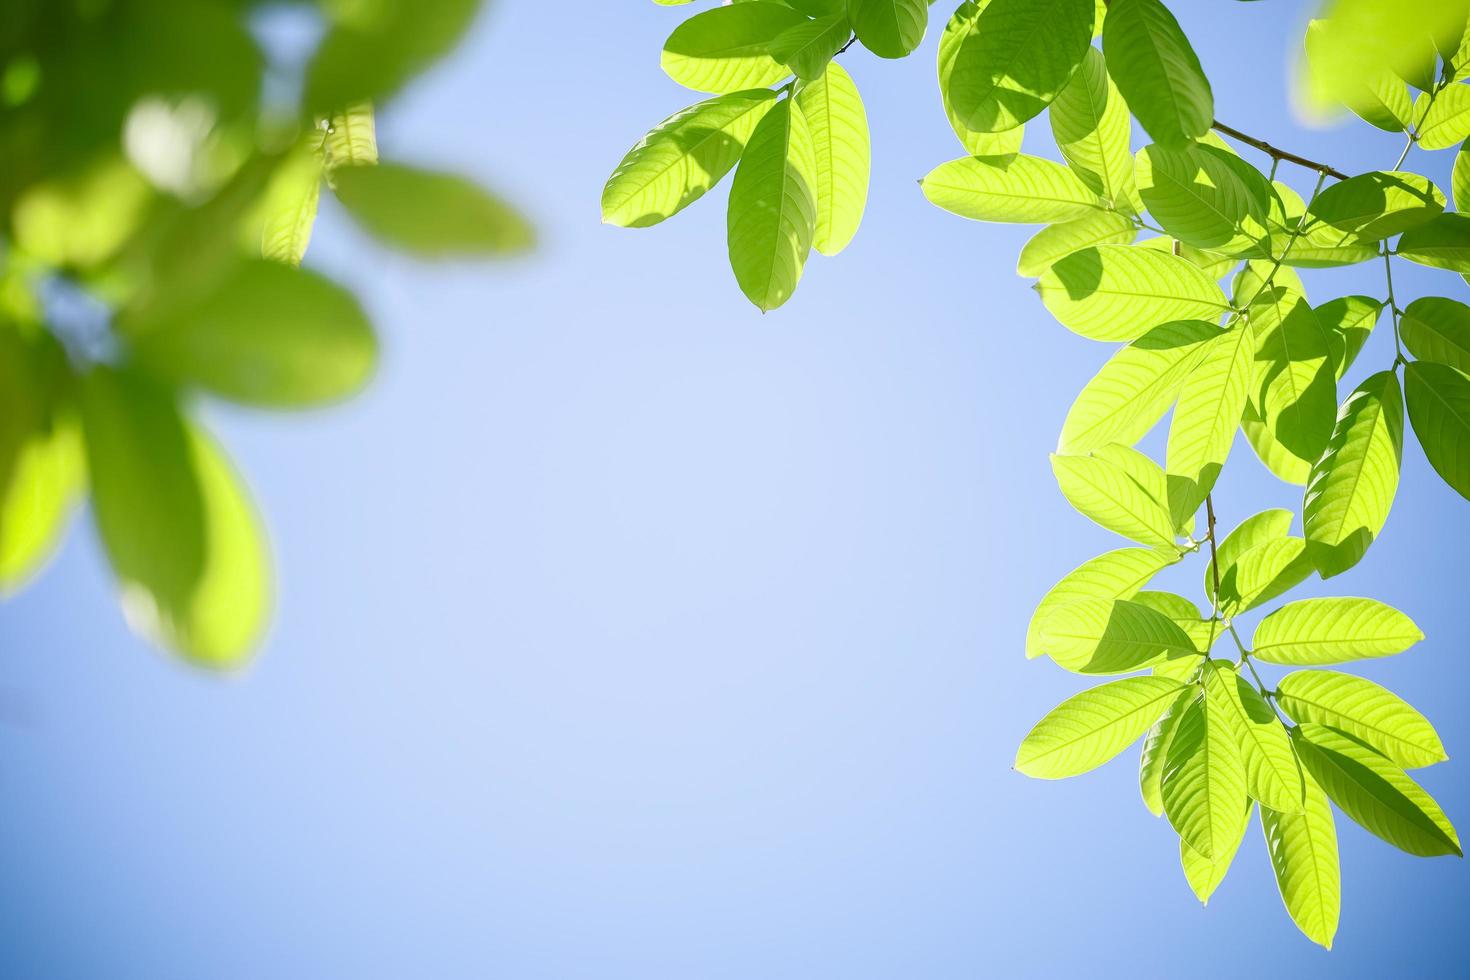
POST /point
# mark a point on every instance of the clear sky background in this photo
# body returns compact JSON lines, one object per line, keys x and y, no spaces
{"x":625,"y":632}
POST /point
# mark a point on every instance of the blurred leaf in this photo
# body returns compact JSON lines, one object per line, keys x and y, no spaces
{"x":80,"y":221}
{"x":352,"y":137}
{"x":373,"y":47}
{"x":184,"y":541}
{"x":433,"y":215}
{"x":272,"y":335}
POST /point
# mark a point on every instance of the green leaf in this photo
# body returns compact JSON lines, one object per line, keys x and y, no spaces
{"x":1295,"y":386}
{"x":1370,"y":713}
{"x":1378,"y":96}
{"x":980,"y":144}
{"x":839,"y":127}
{"x":1157,"y":71}
{"x":1438,"y":329}
{"x":681,"y":158}
{"x":1117,"y":292}
{"x":1444,"y":119}
{"x":1013,"y":58}
{"x":1103,"y":492}
{"x":1285,"y":465}
{"x":1203,"y":786}
{"x":1272,"y":776}
{"x":1303,"y":850}
{"x":727,"y":49}
{"x":1135,"y":387}
{"x":1443,"y":243}
{"x":1053,"y":242}
{"x":1206,"y":197}
{"x":1090,"y":728}
{"x":1204,"y":875}
{"x":1212,"y":264}
{"x":1375,"y":793}
{"x":372,"y":49}
{"x":1260,"y":574}
{"x":1311,"y":632}
{"x":288,"y":209}
{"x":1352,"y":486}
{"x":1348,"y":321}
{"x":1114,"y":575}
{"x":1256,"y":530}
{"x":1014,"y":188}
{"x":271,"y":335}
{"x":1439,"y":408}
{"x":41,"y":467}
{"x":1460,"y":178}
{"x":1186,"y":616}
{"x":352,"y":137}
{"x":772,"y":217}
{"x":1156,"y":749}
{"x":183,"y":539}
{"x":1092,"y":127}
{"x":808,"y":48}
{"x":1378,"y":205}
{"x":1112,"y":636}
{"x":430,"y":214}
{"x":889,"y":28}
{"x":1211,"y":403}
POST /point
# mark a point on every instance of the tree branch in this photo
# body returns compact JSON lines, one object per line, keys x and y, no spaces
{"x":1277,"y":154}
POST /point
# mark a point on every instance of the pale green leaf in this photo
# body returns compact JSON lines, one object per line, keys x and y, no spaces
{"x":371,"y":50}
{"x":1364,"y":710}
{"x":1112,"y":636}
{"x":1272,"y":776}
{"x":184,"y":542}
{"x":1015,"y":188}
{"x":1446,"y":120}
{"x":1157,"y":71}
{"x":1090,"y":728}
{"x":431,"y":214}
{"x":1378,"y":205}
{"x":1348,"y":321}
{"x":351,"y":138}
{"x":1212,"y":264}
{"x":1203,"y":785}
{"x":839,"y":127}
{"x":1311,"y":632}
{"x":1439,"y":408}
{"x":1103,"y":492}
{"x":1053,"y":242}
{"x":1092,"y":127}
{"x":1260,"y":574}
{"x":727,"y":49}
{"x":1443,"y":243}
{"x":1115,"y":575}
{"x":1293,"y":378}
{"x":1135,"y":387}
{"x":681,"y":158}
{"x":1352,"y":486}
{"x":1377,"y":96}
{"x":1284,"y":464}
{"x":288,"y":208}
{"x":1205,"y":875}
{"x":1118,"y":292}
{"x":1438,"y":329}
{"x":772,"y":216}
{"x":1460,"y":178}
{"x":1303,"y":850}
{"x":976,"y":143}
{"x":1211,"y":403}
{"x":1156,"y":748}
{"x":1186,"y":616}
{"x":1378,"y":795}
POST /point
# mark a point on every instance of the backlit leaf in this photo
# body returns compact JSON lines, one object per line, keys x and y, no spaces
{"x":1206,"y":197}
{"x":1303,"y":850}
{"x":1438,"y":329}
{"x":1378,"y":205}
{"x":1103,"y":492}
{"x":839,"y":127}
{"x":1092,"y":127}
{"x":1157,"y":71}
{"x":1053,"y":242}
{"x":772,"y":216}
{"x":1364,"y":710}
{"x":728,"y":48}
{"x":1439,"y":408}
{"x":1116,"y":292}
{"x":1272,"y":776}
{"x":1016,"y":188}
{"x":430,"y":214}
{"x":1203,"y":786}
{"x":1092,"y":727}
{"x":1211,"y":403}
{"x":1311,"y":632}
{"x":1443,"y":243}
{"x":1115,"y":575}
{"x":889,"y":28}
{"x":1112,"y":636}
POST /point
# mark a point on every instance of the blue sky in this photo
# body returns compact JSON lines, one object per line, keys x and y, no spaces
{"x":625,"y":632}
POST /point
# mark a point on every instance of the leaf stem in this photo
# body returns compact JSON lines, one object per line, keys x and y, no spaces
{"x":1214,"y":558}
{"x":1393,"y":307}
{"x":1277,"y":154}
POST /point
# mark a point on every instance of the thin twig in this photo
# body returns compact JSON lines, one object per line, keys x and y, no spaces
{"x":1214,"y":560}
{"x":1278,"y":154}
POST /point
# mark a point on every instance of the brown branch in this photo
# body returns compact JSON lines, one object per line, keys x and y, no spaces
{"x":1214,"y":561}
{"x":1277,"y":154}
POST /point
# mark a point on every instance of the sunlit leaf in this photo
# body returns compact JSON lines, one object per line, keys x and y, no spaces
{"x":1375,"y":793}
{"x":1303,"y":850}
{"x":681,"y":158}
{"x":889,"y":28}
{"x":1053,"y":242}
{"x":839,"y":127}
{"x":1157,"y":71}
{"x":1116,"y":292}
{"x":1211,"y":403}
{"x":1272,"y":776}
{"x":772,"y":216}
{"x":1311,"y":632}
{"x":1352,"y":486}
{"x":1206,"y":197}
{"x":1443,"y":243}
{"x":431,"y":214}
{"x":1092,"y":127}
{"x":1156,"y":746}
{"x":1438,"y":329}
{"x":1348,"y":321}
{"x":1114,"y":575}
{"x":1203,"y":786}
{"x":1205,"y":875}
{"x":1015,"y":188}
{"x":1092,"y":727}
{"x":1366,"y":711}
{"x":1102,"y":491}
{"x":1112,"y":636}
{"x":808,"y":48}
{"x":728,"y":49}
{"x":1444,"y":119}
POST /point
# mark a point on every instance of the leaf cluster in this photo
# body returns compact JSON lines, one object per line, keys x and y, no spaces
{"x":163,"y":173}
